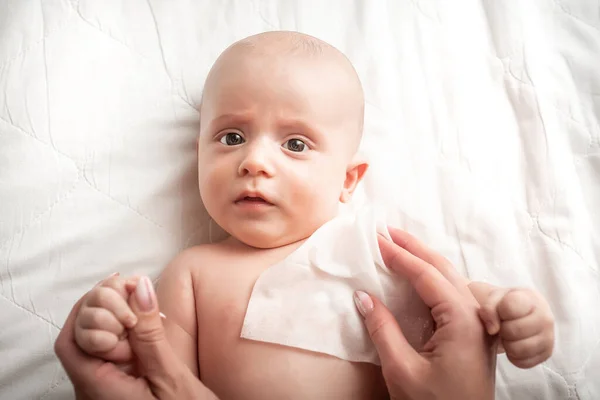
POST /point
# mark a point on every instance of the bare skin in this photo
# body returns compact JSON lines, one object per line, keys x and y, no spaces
{"x":281,"y":120}
{"x":222,"y":278}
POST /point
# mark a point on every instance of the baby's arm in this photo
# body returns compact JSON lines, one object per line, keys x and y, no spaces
{"x":176,"y":300}
{"x":521,"y":318}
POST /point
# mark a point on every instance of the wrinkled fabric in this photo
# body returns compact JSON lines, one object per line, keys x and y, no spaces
{"x":482,"y":130}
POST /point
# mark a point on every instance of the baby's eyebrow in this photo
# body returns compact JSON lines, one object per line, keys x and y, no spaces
{"x":300,"y":125}
{"x":232,"y":118}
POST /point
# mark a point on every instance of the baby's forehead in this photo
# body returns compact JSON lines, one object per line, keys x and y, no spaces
{"x":286,"y":77}
{"x":280,"y":61}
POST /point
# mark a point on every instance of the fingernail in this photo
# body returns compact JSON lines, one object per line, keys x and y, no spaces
{"x":163,"y":316}
{"x":489,"y":324}
{"x":114,"y":274}
{"x":144,"y":294}
{"x":491,"y":327}
{"x":363,"y":302}
{"x":382,"y":236}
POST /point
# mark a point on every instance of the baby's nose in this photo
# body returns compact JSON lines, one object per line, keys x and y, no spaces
{"x":256,"y":162}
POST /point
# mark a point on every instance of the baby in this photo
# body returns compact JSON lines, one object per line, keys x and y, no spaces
{"x":281,"y":122}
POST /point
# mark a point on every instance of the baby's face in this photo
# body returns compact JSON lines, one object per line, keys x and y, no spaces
{"x":277,"y":138}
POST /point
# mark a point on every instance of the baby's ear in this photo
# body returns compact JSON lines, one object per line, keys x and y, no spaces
{"x":354,"y":174}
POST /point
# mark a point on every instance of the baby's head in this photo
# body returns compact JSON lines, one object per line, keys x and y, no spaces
{"x":281,"y":121}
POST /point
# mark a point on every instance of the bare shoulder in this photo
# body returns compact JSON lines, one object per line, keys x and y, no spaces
{"x":192,"y":260}
{"x":177,"y":284}
{"x":189,"y":257}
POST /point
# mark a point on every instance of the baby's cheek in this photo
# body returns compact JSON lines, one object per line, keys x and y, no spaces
{"x":324,"y":206}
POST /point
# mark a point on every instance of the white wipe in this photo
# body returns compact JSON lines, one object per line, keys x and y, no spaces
{"x":306,"y":300}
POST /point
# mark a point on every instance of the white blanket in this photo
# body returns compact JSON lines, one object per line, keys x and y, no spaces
{"x":483,"y":127}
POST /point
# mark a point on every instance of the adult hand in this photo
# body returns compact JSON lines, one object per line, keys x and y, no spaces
{"x":159,"y":374}
{"x":459,"y":360}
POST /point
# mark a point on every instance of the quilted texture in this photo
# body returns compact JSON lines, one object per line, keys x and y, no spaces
{"x":483,"y":127}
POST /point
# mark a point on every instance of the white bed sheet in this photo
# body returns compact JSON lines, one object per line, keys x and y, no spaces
{"x":482,"y":125}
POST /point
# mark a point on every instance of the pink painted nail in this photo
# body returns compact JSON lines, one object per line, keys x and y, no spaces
{"x":163,"y":316}
{"x":144,"y":293}
{"x":363,"y":302}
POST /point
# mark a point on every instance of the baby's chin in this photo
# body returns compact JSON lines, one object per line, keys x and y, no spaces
{"x":261,"y":239}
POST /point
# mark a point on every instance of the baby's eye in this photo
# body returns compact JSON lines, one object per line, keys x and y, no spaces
{"x":295,"y":145}
{"x":232,"y":139}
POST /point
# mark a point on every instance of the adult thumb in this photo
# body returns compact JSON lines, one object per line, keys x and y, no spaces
{"x":156,"y":360}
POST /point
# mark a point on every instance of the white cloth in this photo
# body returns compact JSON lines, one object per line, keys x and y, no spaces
{"x":306,"y":300}
{"x":482,"y":126}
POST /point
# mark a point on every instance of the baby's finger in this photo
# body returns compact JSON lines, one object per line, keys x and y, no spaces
{"x":521,"y":328}
{"x":530,"y":362}
{"x":489,"y":311}
{"x":118,"y":284}
{"x":121,"y":353}
{"x":525,"y":348}
{"x":517,"y":303}
{"x":94,"y":341}
{"x":131,"y":284}
{"x":105,"y":297}
{"x":99,"y":318}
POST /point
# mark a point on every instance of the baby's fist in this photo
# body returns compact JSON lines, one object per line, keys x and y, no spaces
{"x":524,"y":322}
{"x":102,"y":320}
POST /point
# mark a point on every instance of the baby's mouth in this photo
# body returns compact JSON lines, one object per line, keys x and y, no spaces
{"x":253,"y":200}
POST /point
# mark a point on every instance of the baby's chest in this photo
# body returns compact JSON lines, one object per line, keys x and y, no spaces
{"x":222,"y":295}
{"x":224,"y":358}
{"x":245,"y":369}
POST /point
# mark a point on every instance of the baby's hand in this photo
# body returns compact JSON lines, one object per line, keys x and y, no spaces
{"x":524,"y":322}
{"x":102,"y":319}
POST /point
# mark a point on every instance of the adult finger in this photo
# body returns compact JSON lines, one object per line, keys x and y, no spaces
{"x":420,"y":250}
{"x":394,"y":350}
{"x":157,"y":361}
{"x":429,"y":283}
